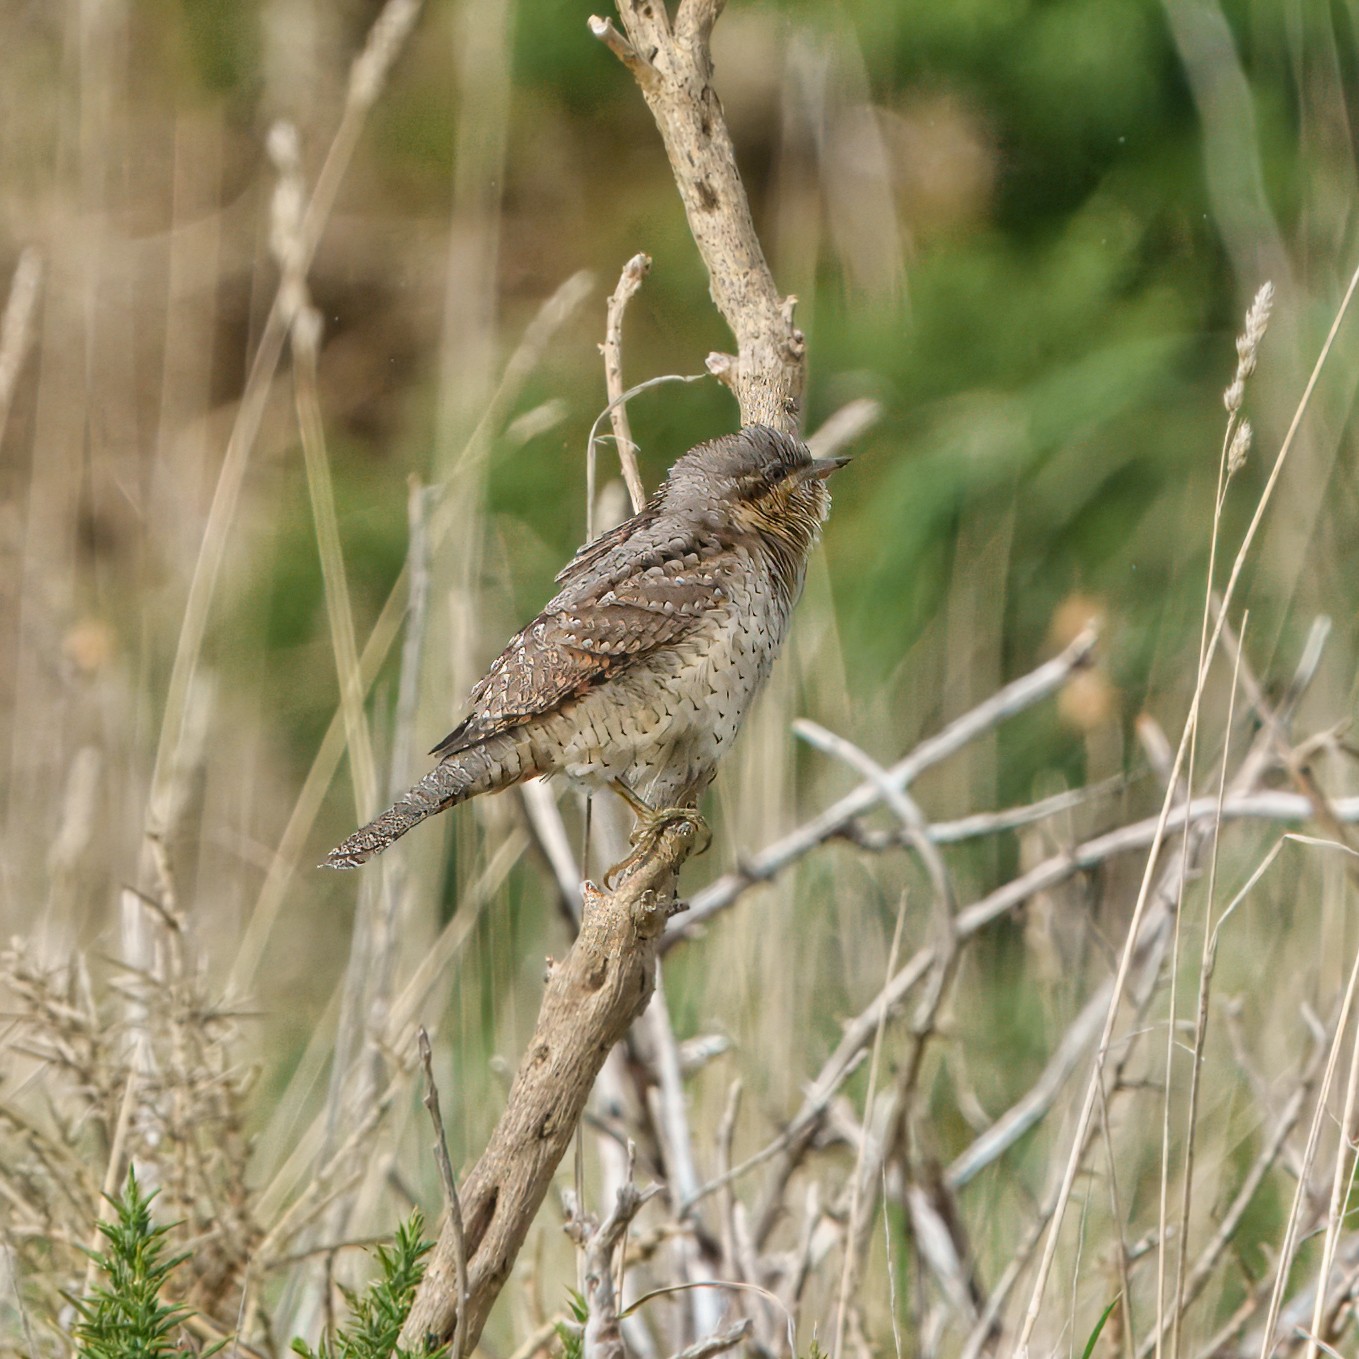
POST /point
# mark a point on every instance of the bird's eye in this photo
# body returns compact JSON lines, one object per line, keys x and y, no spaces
{"x":757,"y":484}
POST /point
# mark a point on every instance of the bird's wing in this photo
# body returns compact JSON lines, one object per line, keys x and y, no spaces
{"x":621,"y":601}
{"x":639,"y":525}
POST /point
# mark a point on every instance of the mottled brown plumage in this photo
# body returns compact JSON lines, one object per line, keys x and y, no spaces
{"x":642,"y":668}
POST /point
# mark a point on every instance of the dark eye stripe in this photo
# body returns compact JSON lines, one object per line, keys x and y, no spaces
{"x":756,"y":484}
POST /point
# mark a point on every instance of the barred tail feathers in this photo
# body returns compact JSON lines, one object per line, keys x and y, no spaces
{"x":481,"y":769}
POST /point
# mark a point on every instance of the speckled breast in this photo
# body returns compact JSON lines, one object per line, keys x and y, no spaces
{"x":663,"y":725}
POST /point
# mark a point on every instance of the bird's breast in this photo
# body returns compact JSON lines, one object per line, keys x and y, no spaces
{"x":663,"y":722}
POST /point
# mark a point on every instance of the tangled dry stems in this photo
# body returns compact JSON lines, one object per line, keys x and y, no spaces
{"x":140,"y":1061}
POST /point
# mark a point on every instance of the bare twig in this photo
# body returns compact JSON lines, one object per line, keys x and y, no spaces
{"x":719,"y":1343}
{"x":1013,"y":698}
{"x":844,"y":427}
{"x":726,"y":1133}
{"x":600,"y":1241}
{"x":549,"y":830}
{"x":981,"y":824}
{"x":676,"y":1139}
{"x":450,"y":1186}
{"x":673,"y":70}
{"x":903,"y":807}
{"x":592,"y":996}
{"x":1043,"y":877}
{"x":16,"y":327}
{"x":1021,"y":1116}
{"x":629,"y":281}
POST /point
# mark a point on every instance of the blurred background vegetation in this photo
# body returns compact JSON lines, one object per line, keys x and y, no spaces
{"x":1029,"y":229}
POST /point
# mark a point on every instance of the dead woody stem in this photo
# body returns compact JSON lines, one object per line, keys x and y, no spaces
{"x":591,"y":998}
{"x":673,"y":68}
{"x":608,"y":977}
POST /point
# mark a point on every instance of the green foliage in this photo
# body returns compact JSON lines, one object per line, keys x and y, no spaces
{"x":126,"y":1316}
{"x":573,"y":1337}
{"x":222,"y":42}
{"x":378,"y":1313}
{"x":1099,"y":1326}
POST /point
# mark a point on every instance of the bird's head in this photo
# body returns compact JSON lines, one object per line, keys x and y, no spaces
{"x":762,"y":480}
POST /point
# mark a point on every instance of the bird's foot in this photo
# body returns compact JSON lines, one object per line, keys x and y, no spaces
{"x":651,"y":825}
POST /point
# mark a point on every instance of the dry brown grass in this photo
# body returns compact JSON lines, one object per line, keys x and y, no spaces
{"x":878,"y":1167}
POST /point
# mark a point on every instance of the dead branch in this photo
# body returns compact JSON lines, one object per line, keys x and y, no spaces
{"x":451,"y":1204}
{"x":591,"y":998}
{"x":1014,"y":698}
{"x":629,"y":281}
{"x":608,"y":977}
{"x":717,"y":1344}
{"x":601,"y":1242}
{"x":673,"y":68}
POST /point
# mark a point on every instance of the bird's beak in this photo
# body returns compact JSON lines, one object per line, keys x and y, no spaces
{"x":821,"y":468}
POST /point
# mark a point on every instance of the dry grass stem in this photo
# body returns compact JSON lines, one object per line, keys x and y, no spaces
{"x":629,"y":282}
{"x":281,"y":377}
{"x":1207,"y":962}
{"x":1083,"y":1122}
{"x":450,"y":1186}
{"x":339,"y":611}
{"x":1294,"y":1226}
{"x":16,"y":326}
{"x":1342,"y":1185}
{"x":1211,"y":1255}
{"x":538,"y":335}
{"x":1235,"y":447}
{"x":858,"y":1213}
{"x":393,"y":22}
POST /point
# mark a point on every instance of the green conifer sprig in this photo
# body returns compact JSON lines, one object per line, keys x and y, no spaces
{"x":378,"y":1313}
{"x":126,"y":1316}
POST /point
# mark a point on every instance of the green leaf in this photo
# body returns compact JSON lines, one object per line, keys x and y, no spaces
{"x":572,"y":1337}
{"x":1099,"y":1326}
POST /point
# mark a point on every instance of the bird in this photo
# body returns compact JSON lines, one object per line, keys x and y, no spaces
{"x":638,"y":674}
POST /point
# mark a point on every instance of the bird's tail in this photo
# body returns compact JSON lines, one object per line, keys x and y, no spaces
{"x":451,"y":781}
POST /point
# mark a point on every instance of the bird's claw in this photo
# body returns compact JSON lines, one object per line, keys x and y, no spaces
{"x":646,"y":835}
{"x":651,"y":823}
